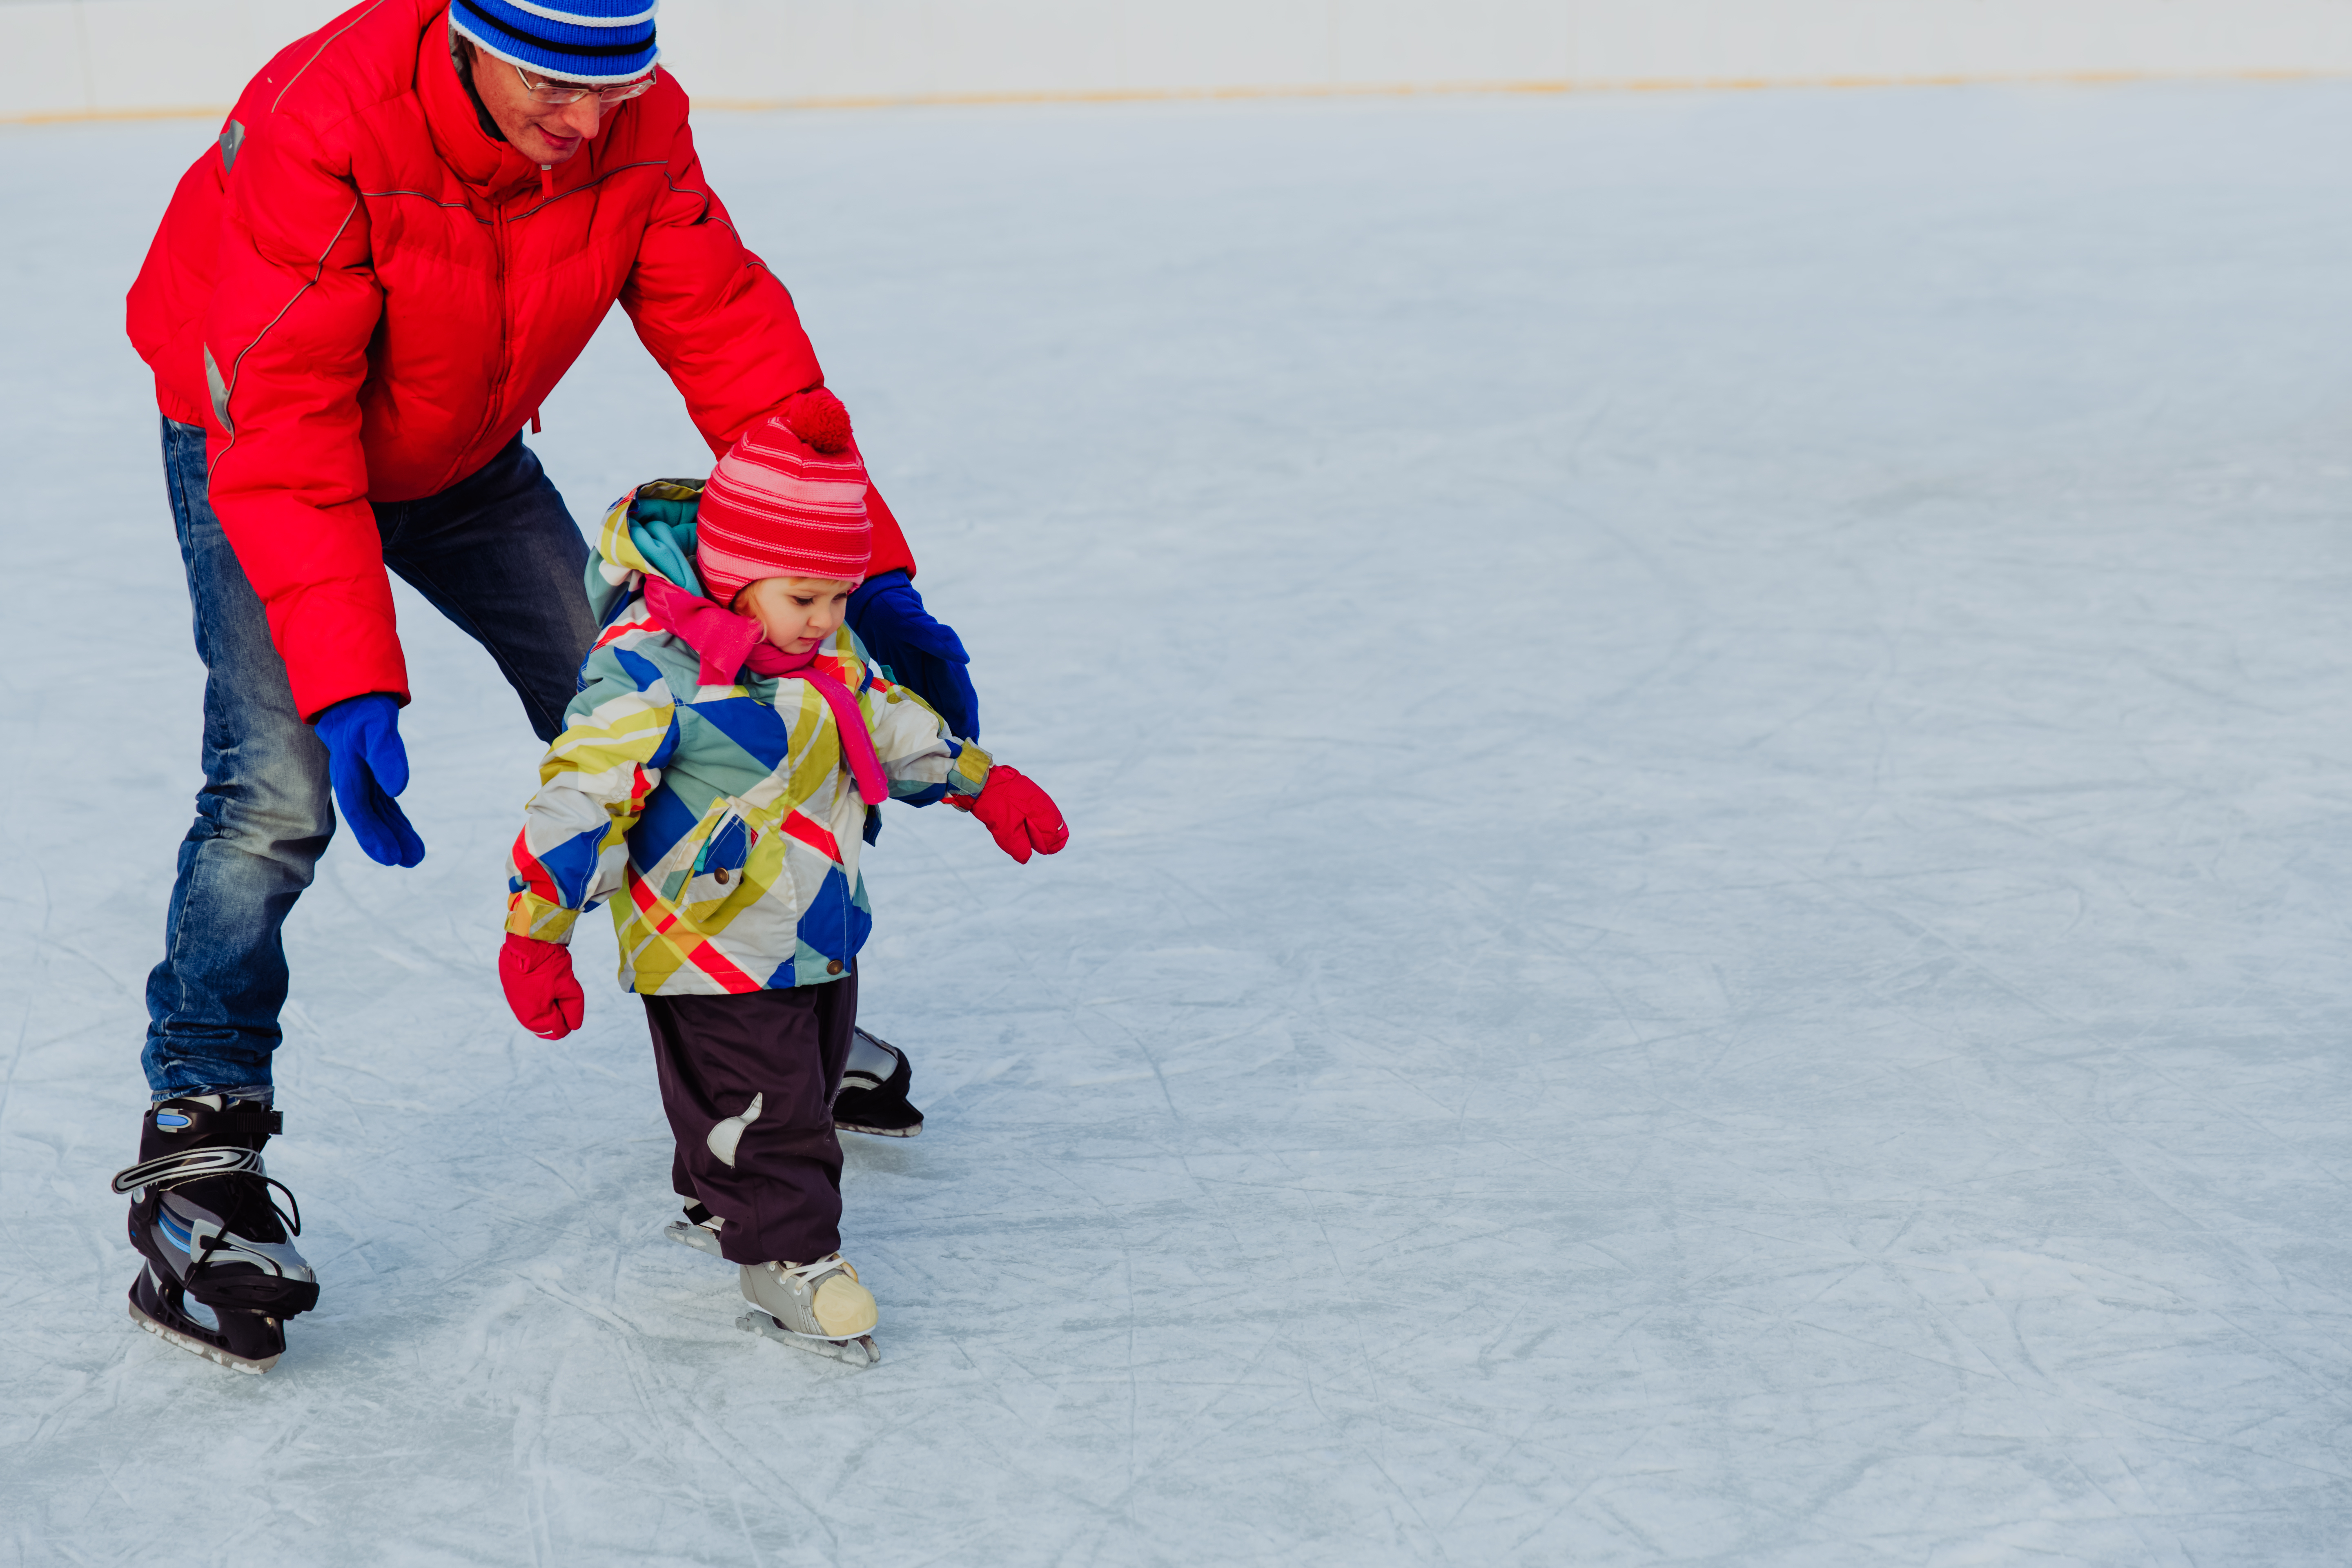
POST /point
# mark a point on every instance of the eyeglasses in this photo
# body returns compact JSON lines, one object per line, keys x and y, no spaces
{"x":555,"y":94}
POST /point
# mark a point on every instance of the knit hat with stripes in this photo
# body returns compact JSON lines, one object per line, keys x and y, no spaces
{"x":777,"y":507}
{"x":579,"y":40}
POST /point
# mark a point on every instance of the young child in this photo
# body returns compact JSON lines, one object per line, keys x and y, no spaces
{"x":721,"y":768}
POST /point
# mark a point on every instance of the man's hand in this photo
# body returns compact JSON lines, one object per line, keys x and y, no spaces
{"x":540,"y":986}
{"x":368,"y":765}
{"x":925,"y":655}
{"x":1019,"y":815}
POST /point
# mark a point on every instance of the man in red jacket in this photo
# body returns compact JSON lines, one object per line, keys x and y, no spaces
{"x":411,"y":225}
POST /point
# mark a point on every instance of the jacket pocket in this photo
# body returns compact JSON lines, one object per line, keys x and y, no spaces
{"x":717,"y":872}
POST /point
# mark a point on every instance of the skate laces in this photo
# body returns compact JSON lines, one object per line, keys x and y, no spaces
{"x":183,"y":1166}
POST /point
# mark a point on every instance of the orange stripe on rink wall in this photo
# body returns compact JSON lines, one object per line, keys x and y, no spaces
{"x":1391,"y":89}
{"x":68,"y":116}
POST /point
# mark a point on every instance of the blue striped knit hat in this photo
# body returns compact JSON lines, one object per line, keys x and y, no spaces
{"x":579,"y":41}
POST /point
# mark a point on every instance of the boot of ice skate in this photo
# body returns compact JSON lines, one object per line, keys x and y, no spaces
{"x":874,"y":1087}
{"x":817,"y":1306}
{"x":700,"y":1230}
{"x":222,"y":1275}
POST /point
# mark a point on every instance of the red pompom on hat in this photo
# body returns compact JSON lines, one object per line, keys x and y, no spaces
{"x":817,"y":417}
{"x":778,"y":505}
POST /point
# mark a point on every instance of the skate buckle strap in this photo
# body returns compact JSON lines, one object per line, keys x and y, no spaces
{"x":245,"y":1119}
{"x":208,"y":1239}
{"x":169,"y":1171}
{"x":187,"y":1118}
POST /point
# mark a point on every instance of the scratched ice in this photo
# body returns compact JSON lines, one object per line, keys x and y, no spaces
{"x":1709,"y":919}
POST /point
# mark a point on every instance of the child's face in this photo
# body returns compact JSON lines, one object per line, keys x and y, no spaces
{"x":795,"y":613}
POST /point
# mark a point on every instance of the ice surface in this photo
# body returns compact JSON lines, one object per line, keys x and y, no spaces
{"x":1708,"y":743}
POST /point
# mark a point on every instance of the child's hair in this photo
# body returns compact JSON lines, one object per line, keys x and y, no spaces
{"x":736,"y":603}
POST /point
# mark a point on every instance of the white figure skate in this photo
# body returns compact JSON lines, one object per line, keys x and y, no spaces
{"x":699,"y":1230}
{"x":817,"y":1307}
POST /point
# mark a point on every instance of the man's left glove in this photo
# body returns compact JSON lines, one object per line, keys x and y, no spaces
{"x":368,"y":765}
{"x":924,"y":654}
{"x":540,"y":986}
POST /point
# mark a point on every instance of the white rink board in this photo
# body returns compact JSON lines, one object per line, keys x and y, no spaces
{"x":1707,"y":921}
{"x":130,"y":57}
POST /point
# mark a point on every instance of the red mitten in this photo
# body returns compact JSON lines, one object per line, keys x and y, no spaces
{"x":817,"y":417}
{"x":1021,"y":816}
{"x":540,"y":987}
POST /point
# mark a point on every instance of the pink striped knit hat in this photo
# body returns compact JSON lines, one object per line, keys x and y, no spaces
{"x":777,"y":507}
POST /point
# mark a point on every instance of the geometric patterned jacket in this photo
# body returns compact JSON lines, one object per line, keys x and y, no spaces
{"x":720,"y":821}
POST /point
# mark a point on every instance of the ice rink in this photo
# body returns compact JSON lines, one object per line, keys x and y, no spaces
{"x":1708,"y":743}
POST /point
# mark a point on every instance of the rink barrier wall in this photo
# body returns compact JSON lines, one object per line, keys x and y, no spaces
{"x":132,"y":58}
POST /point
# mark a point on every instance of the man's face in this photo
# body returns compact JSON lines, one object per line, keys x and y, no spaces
{"x":544,"y":133}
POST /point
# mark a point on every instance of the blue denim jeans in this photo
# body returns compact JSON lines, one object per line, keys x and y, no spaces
{"x":495,"y":552}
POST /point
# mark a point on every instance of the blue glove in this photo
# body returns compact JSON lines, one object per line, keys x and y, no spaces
{"x":368,"y":765}
{"x":923,"y":655}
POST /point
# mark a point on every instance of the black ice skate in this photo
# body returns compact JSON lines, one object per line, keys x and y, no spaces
{"x":872,"y":1093}
{"x":222,"y":1274}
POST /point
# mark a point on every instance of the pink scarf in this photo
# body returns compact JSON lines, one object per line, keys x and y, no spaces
{"x":726,"y":642}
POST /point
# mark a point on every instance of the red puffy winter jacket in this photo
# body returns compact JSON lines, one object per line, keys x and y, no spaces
{"x":362,"y":296}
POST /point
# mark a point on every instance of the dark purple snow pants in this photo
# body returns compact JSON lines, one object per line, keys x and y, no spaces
{"x":781,"y":1197}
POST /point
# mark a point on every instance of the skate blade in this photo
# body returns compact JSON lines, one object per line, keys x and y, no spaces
{"x":878,"y":1131}
{"x":210,"y":1352}
{"x":860,"y":1351}
{"x":687,"y":1233}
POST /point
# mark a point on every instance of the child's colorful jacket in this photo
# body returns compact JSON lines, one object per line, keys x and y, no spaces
{"x":721,"y":820}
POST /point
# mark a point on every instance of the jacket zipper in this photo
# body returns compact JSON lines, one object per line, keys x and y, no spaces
{"x":505,"y":349}
{"x":506,"y":302}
